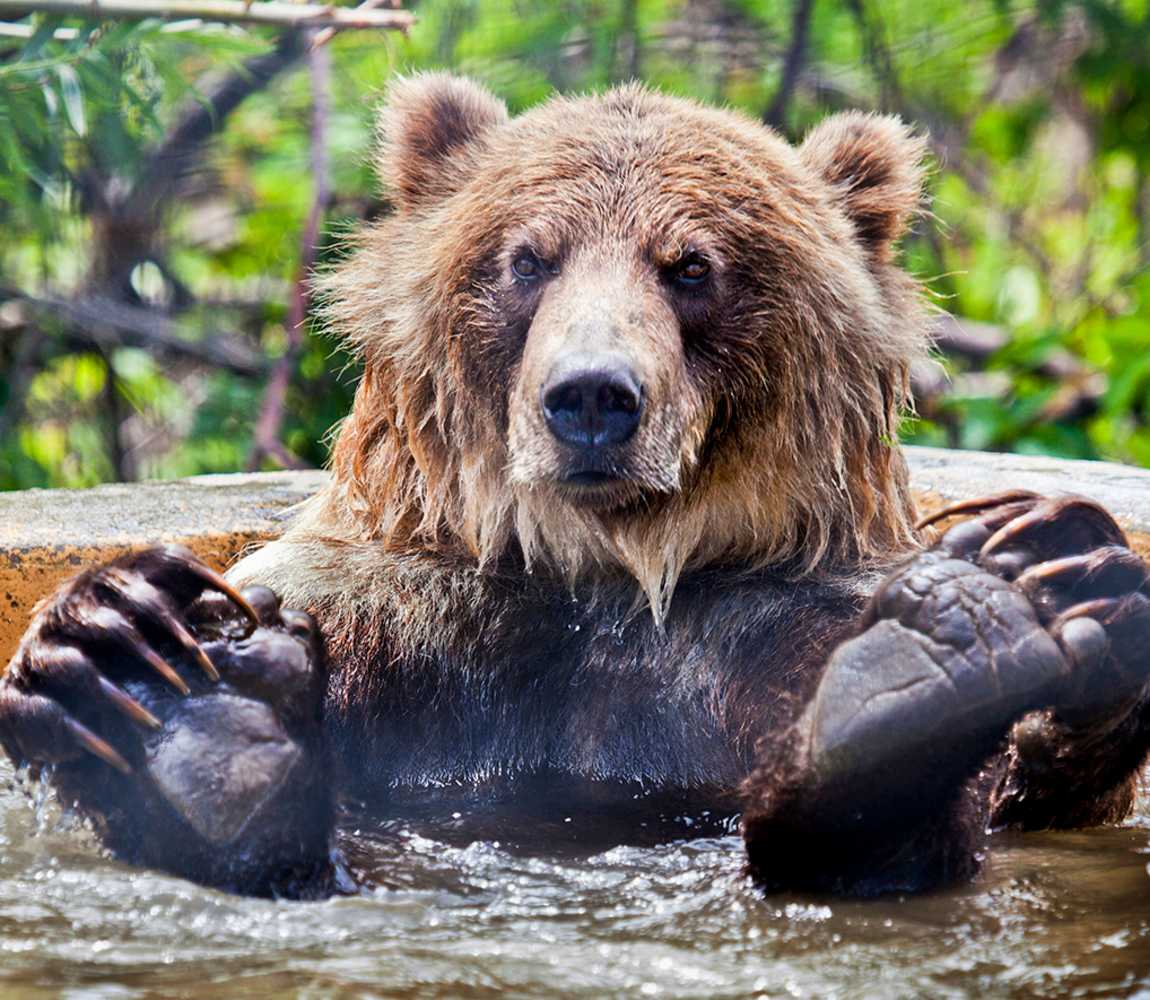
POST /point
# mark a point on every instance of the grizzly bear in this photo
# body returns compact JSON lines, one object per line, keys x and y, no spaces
{"x":617,"y":528}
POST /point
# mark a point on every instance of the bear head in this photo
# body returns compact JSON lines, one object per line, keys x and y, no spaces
{"x":629,"y":333}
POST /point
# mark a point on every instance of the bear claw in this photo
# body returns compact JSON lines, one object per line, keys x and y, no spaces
{"x":1069,"y":523}
{"x":213,"y":581}
{"x":976,"y":505}
{"x":128,"y":705}
{"x":1111,"y":568}
{"x":138,"y":595}
{"x":94,"y":744}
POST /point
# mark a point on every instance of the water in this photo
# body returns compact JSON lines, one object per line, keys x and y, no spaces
{"x":1063,"y":914}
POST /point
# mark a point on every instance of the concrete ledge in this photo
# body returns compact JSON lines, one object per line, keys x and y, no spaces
{"x":941,"y":476}
{"x":48,"y":535}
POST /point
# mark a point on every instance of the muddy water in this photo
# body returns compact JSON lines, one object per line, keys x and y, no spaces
{"x":1065,"y":914}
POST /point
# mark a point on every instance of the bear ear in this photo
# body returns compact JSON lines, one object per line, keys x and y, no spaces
{"x":874,"y":164}
{"x":427,"y":120}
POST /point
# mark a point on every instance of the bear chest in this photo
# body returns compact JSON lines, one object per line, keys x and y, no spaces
{"x":594,"y":694}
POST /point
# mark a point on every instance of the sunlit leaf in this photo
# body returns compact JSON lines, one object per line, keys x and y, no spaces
{"x":73,"y":98}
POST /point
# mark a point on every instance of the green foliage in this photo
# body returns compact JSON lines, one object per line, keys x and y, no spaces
{"x":1041,"y":202}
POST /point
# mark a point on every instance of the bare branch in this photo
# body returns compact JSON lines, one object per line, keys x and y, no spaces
{"x":792,"y":63}
{"x":114,"y":416}
{"x":326,"y":35}
{"x":10,"y":30}
{"x":270,"y":12}
{"x":106,"y":323}
{"x":266,"y":437}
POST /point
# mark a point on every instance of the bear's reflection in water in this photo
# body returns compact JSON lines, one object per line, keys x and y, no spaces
{"x":1052,"y":913}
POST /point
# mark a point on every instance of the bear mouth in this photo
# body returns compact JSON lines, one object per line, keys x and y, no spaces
{"x":597,"y":488}
{"x":591,"y":477}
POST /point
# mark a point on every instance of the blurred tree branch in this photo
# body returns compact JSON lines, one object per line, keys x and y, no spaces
{"x":114,"y":416}
{"x":266,"y":437}
{"x":28,"y":31}
{"x":792,"y":63}
{"x":631,"y":41}
{"x":267,"y":12}
{"x":106,"y":323}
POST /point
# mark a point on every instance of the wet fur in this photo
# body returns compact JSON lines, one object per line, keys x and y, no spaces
{"x":793,"y":383}
{"x":480,"y":681}
{"x":483,"y":628}
{"x":481,"y":625}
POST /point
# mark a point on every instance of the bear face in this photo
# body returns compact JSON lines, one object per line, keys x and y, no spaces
{"x":628,"y":332}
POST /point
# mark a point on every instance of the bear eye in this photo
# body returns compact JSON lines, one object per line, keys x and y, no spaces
{"x":693,"y":269}
{"x":527,"y":267}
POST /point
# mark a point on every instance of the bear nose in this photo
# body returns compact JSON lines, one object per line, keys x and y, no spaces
{"x":593,"y":406}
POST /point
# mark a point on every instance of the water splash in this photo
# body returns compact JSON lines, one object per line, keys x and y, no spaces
{"x":1054,"y":913}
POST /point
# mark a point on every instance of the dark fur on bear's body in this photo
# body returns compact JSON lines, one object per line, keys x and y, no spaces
{"x":588,"y":689}
{"x":531,"y":699}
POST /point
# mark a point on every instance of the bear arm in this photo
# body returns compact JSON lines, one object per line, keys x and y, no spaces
{"x":880,"y":811}
{"x":1022,"y":628}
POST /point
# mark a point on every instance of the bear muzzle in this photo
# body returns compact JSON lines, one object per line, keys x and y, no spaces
{"x":591,"y":403}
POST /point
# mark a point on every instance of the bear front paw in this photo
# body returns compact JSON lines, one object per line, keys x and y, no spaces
{"x":1030,"y":603}
{"x":183,"y":717}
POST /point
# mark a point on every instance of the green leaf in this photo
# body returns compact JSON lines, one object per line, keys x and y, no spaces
{"x":73,"y":99}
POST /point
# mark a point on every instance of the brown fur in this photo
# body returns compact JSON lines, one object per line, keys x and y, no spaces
{"x":772,"y":410}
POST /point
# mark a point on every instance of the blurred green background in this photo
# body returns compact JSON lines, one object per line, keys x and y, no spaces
{"x":155,"y":222}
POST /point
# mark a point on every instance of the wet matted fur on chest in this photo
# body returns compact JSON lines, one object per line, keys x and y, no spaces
{"x":585,"y":687}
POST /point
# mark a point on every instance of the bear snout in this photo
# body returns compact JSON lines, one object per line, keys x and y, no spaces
{"x":591,"y":402}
